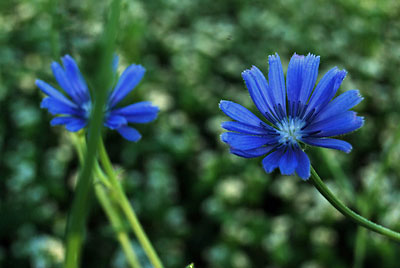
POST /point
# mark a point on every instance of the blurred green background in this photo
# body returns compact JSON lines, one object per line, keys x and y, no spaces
{"x":197,"y":202}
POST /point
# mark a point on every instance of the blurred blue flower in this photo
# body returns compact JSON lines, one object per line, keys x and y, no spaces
{"x":296,"y":115}
{"x":75,"y":107}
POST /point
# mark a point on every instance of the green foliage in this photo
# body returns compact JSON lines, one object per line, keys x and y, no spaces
{"x":196,"y":201}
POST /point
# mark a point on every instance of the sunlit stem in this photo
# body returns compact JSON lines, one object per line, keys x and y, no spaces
{"x":127,"y":208}
{"x":324,"y":190}
{"x":108,"y":207}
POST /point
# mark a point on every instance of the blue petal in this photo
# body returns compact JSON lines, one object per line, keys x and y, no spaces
{"x":326,"y":89}
{"x":246,"y":142}
{"x":288,"y":162}
{"x":126,"y":83}
{"x":244,"y":128}
{"x":71,"y":123}
{"x":76,"y":125}
{"x":65,"y":82}
{"x":239,"y":113}
{"x":54,"y":93}
{"x":301,"y":77}
{"x":294,"y":77}
{"x":253,"y":152}
{"x":271,"y":161}
{"x":75,"y":78}
{"x":329,"y":143}
{"x":260,"y":92}
{"x":303,"y":164}
{"x":115,"y":121}
{"x":62,"y":120}
{"x":340,"y":104}
{"x":277,"y":81}
{"x":129,"y":133}
{"x":55,"y":106}
{"x":341,"y":124}
{"x":141,"y":112}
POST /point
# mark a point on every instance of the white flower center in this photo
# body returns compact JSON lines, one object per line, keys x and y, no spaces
{"x":290,"y":130}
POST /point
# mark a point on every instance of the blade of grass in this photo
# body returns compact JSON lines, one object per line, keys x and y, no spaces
{"x":80,"y":205}
{"x":127,"y":208}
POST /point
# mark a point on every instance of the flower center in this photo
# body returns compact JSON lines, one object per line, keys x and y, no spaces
{"x":290,"y":130}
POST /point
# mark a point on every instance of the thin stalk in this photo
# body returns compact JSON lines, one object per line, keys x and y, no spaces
{"x":54,"y":32}
{"x":127,"y":208}
{"x":80,"y":205}
{"x":106,"y":203}
{"x":117,"y":225}
{"x":324,"y":190}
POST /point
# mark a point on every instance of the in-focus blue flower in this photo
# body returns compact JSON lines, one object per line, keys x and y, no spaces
{"x":296,"y":115}
{"x":74,"y":107}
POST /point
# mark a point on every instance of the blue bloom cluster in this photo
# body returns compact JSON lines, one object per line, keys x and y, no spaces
{"x":296,"y":115}
{"x":75,"y":108}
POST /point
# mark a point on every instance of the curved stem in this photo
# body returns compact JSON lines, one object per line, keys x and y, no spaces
{"x":324,"y":190}
{"x":108,"y":207}
{"x":117,"y":225}
{"x":127,"y":208}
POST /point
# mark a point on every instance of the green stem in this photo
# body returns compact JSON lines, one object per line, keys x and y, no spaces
{"x":117,"y":225}
{"x":54,"y":33}
{"x":108,"y":208}
{"x":80,"y":205}
{"x":127,"y":208}
{"x":324,"y":190}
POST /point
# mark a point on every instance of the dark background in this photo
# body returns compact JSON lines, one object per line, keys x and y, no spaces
{"x":197,"y":202}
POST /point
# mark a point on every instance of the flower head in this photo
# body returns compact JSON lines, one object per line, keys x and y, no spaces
{"x":296,"y":115}
{"x":74,"y":107}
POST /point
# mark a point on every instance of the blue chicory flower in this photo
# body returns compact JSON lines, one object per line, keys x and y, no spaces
{"x":296,"y":115}
{"x":75,"y":108}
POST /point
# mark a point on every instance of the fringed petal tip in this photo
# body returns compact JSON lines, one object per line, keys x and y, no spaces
{"x":222,"y":104}
{"x":311,"y":55}
{"x":297,"y":56}
{"x":245,"y":71}
{"x":247,"y":74}
{"x":273,"y":56}
{"x":223,"y":137}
